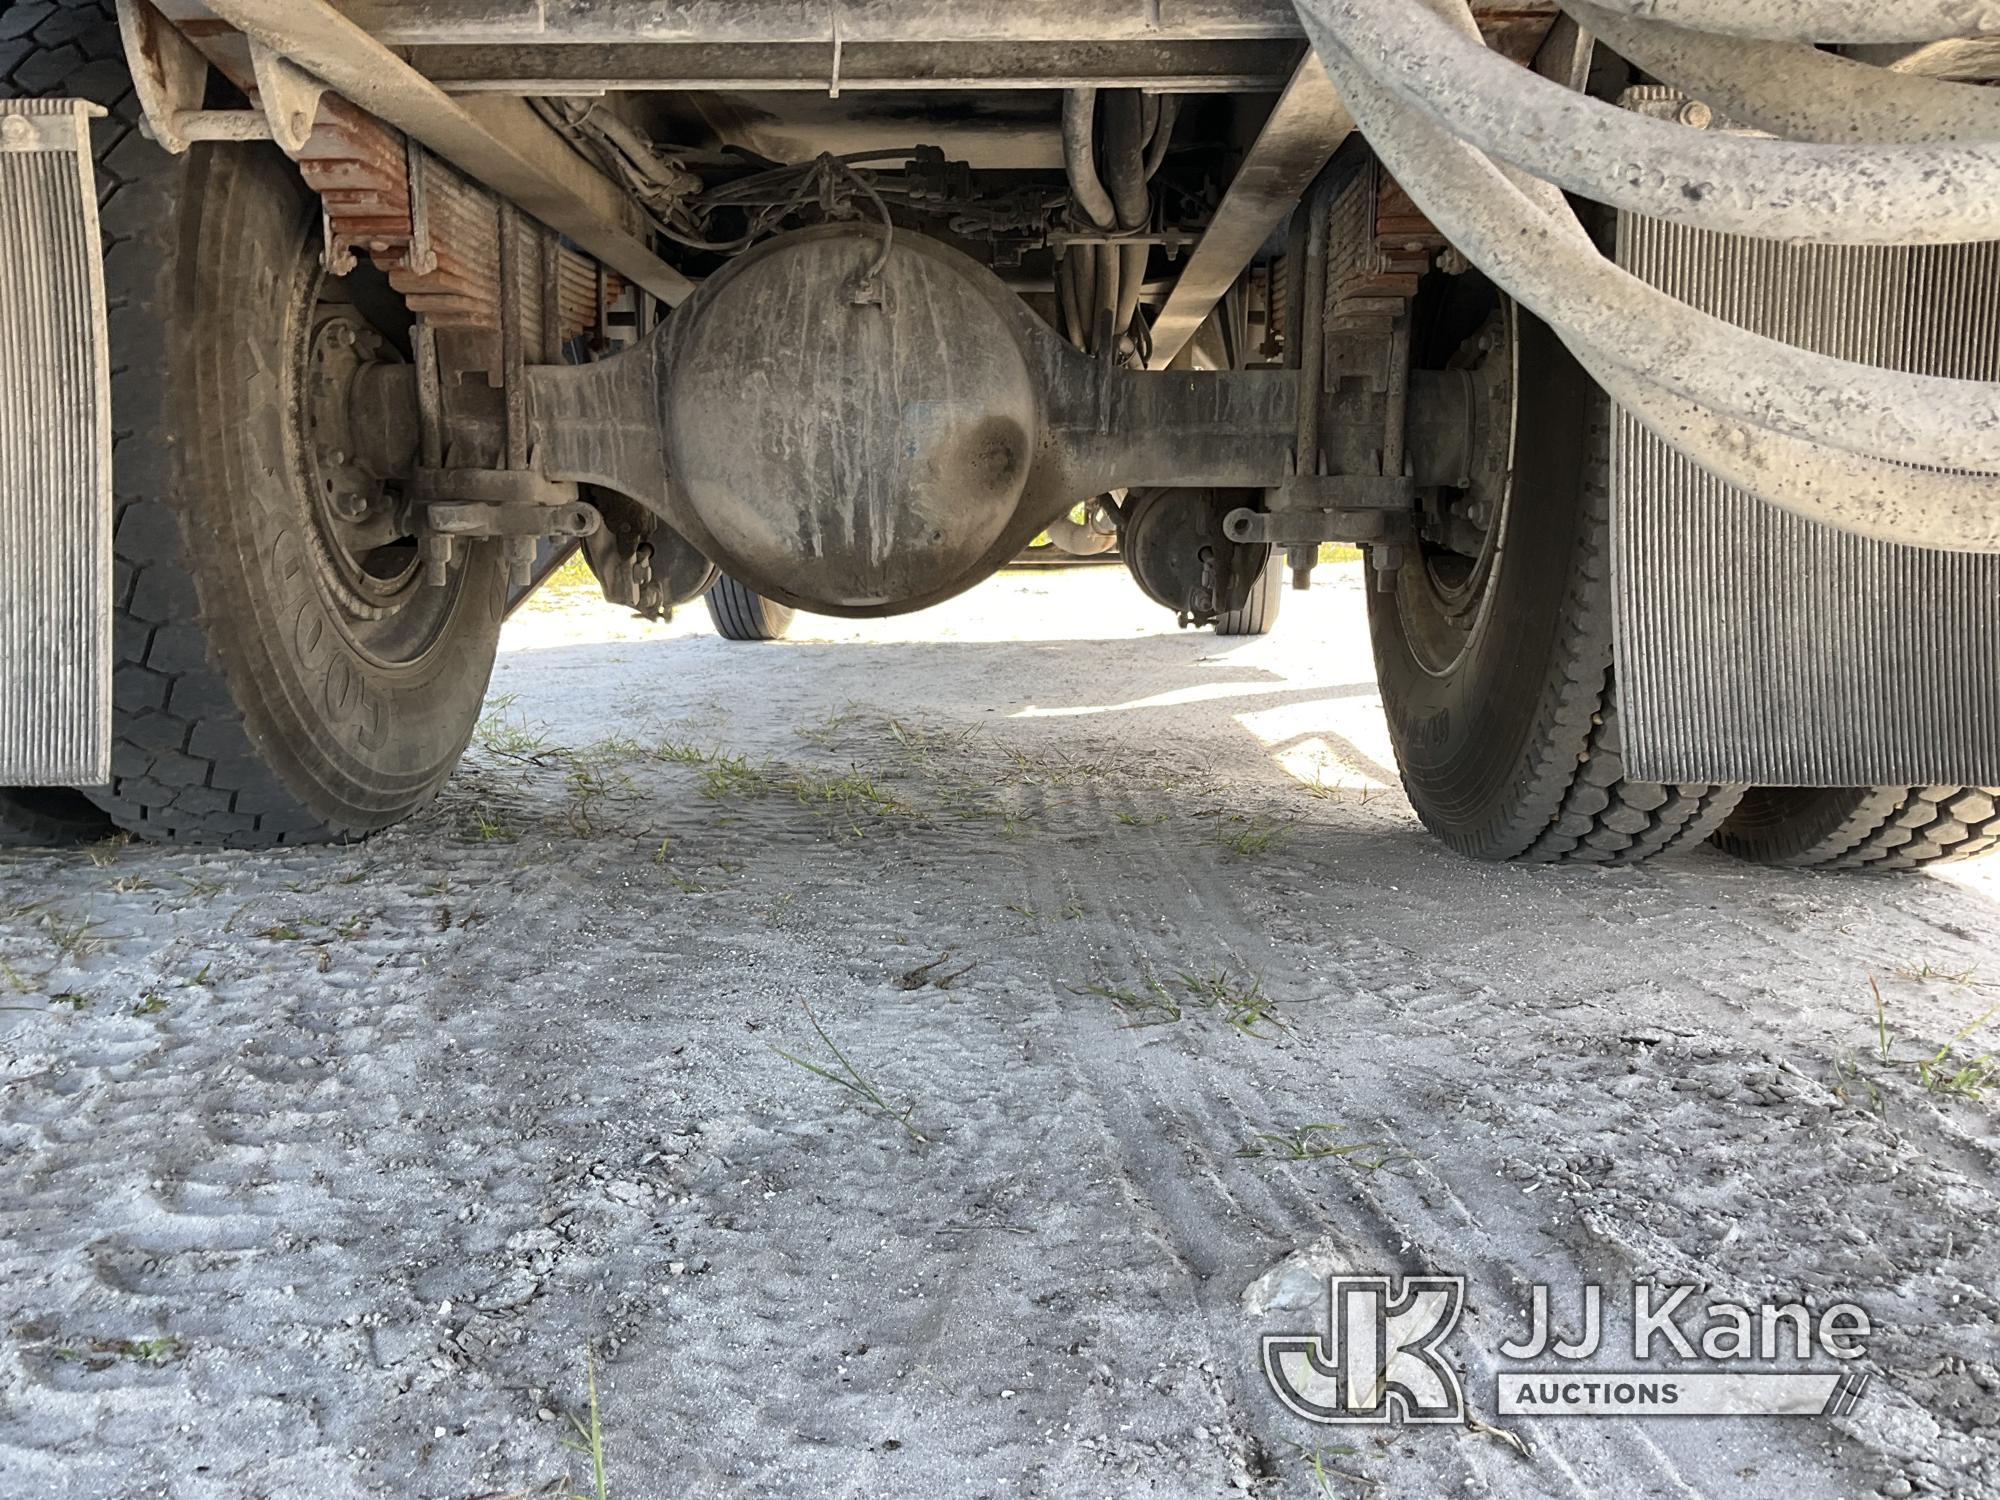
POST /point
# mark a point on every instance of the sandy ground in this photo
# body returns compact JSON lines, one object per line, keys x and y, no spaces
{"x":321,"y":1171}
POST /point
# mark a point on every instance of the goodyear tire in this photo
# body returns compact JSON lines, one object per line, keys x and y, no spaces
{"x":270,"y":687}
{"x":1495,"y":668}
{"x":741,"y":614}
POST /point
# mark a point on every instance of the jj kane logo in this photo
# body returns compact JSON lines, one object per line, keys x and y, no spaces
{"x":1381,"y":1357}
{"x":1378,"y":1359}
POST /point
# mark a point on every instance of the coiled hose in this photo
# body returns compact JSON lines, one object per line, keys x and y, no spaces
{"x":1862,"y":156}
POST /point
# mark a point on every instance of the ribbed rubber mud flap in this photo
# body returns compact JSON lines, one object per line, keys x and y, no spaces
{"x":1754,"y":646}
{"x":55,"y":453}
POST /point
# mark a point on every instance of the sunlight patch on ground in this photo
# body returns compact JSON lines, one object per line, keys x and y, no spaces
{"x":1981,"y":875}
{"x":1323,"y":767}
{"x":1202,"y":692}
{"x":1333,"y":740}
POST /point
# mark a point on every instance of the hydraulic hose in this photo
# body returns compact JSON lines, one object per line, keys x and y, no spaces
{"x":1079,"y":130}
{"x":1866,"y":157}
{"x":1108,"y":172}
{"x":1822,"y":20}
{"x":1124,"y":154}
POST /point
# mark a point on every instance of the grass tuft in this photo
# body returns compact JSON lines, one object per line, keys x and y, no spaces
{"x":484,"y":827}
{"x":102,"y":1354}
{"x":732,"y":776}
{"x":845,"y":1075}
{"x":589,"y":1439}
{"x":1928,"y":973}
{"x":1241,"y":1002}
{"x":105,"y":850}
{"x":1157,"y":1006}
{"x":1965,"y":1080}
{"x":1314,"y":1458}
{"x":1943,"y":1073}
{"x":1252,"y":838}
{"x":1320,"y":1142}
{"x":71,"y":937}
{"x":1238,"y":1002}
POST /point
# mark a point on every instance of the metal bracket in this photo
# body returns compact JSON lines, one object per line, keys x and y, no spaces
{"x":518,"y":506}
{"x":549,"y":248}
{"x":475,"y":518}
{"x":524,"y":487}
{"x":290,"y":96}
{"x":422,"y":256}
{"x":1315,"y":508}
{"x":1305,"y":127}
{"x":48,"y":132}
{"x":1565,"y":54}
{"x":1172,"y":240}
{"x":513,"y":339}
{"x":170,"y":76}
{"x":336,"y":251}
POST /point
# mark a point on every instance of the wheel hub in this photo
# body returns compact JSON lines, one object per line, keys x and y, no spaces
{"x":366,"y":560}
{"x":1461,"y":533}
{"x":351,"y":439}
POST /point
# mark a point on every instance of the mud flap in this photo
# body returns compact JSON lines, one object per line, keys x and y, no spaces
{"x":55,"y":452}
{"x":1755,"y":646}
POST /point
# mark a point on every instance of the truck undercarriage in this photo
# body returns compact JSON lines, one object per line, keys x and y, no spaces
{"x":1646,"y":349}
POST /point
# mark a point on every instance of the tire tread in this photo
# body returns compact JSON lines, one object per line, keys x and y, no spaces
{"x":1886,"y":828}
{"x":742,"y":614}
{"x":1259,"y":614}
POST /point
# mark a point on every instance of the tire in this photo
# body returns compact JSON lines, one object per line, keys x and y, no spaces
{"x":1496,"y":674}
{"x":1259,"y":614}
{"x":48,"y":817}
{"x":252,"y":704}
{"x":1862,"y":828}
{"x":743,"y":615}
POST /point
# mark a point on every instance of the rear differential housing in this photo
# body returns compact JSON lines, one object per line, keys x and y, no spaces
{"x":861,"y":427}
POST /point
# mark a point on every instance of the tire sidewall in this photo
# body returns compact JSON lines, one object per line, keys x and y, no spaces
{"x":1465,"y":737}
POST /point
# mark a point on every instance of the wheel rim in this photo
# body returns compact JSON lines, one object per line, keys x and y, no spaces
{"x":367,"y":567}
{"x":1444,"y":595}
